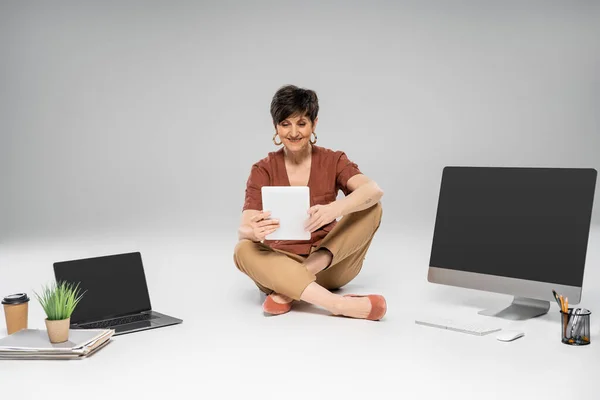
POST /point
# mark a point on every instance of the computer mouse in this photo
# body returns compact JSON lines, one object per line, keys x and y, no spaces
{"x":508,"y":336}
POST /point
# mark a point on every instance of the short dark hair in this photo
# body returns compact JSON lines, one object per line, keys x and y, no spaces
{"x":291,"y":100}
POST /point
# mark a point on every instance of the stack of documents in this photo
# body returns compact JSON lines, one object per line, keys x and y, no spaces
{"x":35,"y":344}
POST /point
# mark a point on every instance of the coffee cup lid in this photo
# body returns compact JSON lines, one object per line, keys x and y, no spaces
{"x":16,"y":298}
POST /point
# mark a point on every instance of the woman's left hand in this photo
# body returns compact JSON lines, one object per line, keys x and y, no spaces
{"x":321,"y":215}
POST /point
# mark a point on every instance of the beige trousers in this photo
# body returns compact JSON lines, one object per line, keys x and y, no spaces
{"x":277,"y":271}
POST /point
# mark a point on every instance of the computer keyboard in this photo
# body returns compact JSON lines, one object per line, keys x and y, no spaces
{"x":117,"y":321}
{"x":458,"y":325}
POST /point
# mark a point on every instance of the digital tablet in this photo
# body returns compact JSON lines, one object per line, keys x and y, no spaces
{"x":288,"y":204}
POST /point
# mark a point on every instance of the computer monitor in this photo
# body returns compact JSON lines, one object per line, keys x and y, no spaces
{"x":520,"y":231}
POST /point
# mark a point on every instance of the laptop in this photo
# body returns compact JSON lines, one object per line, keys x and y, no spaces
{"x":116,"y":294}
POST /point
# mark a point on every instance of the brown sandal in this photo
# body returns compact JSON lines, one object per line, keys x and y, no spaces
{"x":270,"y":306}
{"x":378,"y":305}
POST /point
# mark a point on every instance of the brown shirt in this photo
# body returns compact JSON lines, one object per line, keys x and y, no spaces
{"x":329,"y":173}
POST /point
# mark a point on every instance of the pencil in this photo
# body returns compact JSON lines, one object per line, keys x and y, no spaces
{"x":562,"y":303}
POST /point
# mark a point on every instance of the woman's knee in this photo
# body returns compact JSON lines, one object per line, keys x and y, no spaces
{"x":374,"y":213}
{"x":377,"y":211}
{"x":242,"y":246}
{"x":242,"y":249}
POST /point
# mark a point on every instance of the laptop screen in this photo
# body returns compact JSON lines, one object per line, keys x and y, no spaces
{"x":115,"y":285}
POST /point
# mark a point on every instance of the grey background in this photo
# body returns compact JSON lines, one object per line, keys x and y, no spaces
{"x":132,"y":126}
{"x":147,"y":115}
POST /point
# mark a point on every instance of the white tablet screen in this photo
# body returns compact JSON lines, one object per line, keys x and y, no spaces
{"x":288,"y":204}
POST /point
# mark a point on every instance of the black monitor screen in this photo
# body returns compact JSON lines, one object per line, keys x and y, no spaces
{"x":525,"y":223}
{"x":115,"y":285}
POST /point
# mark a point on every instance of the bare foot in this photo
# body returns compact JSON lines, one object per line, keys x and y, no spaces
{"x":280,"y":298}
{"x":354,"y":307}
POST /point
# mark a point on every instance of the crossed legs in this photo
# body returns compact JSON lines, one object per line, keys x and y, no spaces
{"x":316,"y":262}
{"x":338,"y":259}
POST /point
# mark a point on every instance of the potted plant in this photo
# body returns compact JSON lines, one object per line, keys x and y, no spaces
{"x":59,"y":301}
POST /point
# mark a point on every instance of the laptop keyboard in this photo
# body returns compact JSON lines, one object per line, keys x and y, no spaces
{"x":117,"y":321}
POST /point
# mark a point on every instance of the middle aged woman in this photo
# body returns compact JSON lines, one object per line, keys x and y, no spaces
{"x":289,"y":271}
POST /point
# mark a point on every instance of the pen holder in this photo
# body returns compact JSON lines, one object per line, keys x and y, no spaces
{"x":575,"y":326}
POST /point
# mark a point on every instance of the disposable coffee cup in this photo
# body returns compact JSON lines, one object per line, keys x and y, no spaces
{"x":16,"y":309}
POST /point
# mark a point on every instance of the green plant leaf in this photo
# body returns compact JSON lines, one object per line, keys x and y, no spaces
{"x":59,"y":299}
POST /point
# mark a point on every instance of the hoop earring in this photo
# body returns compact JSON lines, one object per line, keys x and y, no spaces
{"x":315,"y":141}
{"x":274,"y":136}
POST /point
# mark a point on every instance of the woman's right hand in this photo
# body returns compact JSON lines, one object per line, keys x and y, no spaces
{"x":262,"y":225}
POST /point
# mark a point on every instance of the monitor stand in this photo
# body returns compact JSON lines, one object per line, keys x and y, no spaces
{"x":522,"y":308}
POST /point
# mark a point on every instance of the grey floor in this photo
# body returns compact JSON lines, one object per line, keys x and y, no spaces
{"x":227,"y":345}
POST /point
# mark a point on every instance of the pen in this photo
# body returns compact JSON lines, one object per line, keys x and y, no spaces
{"x":557,"y":298}
{"x":574,"y":326}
